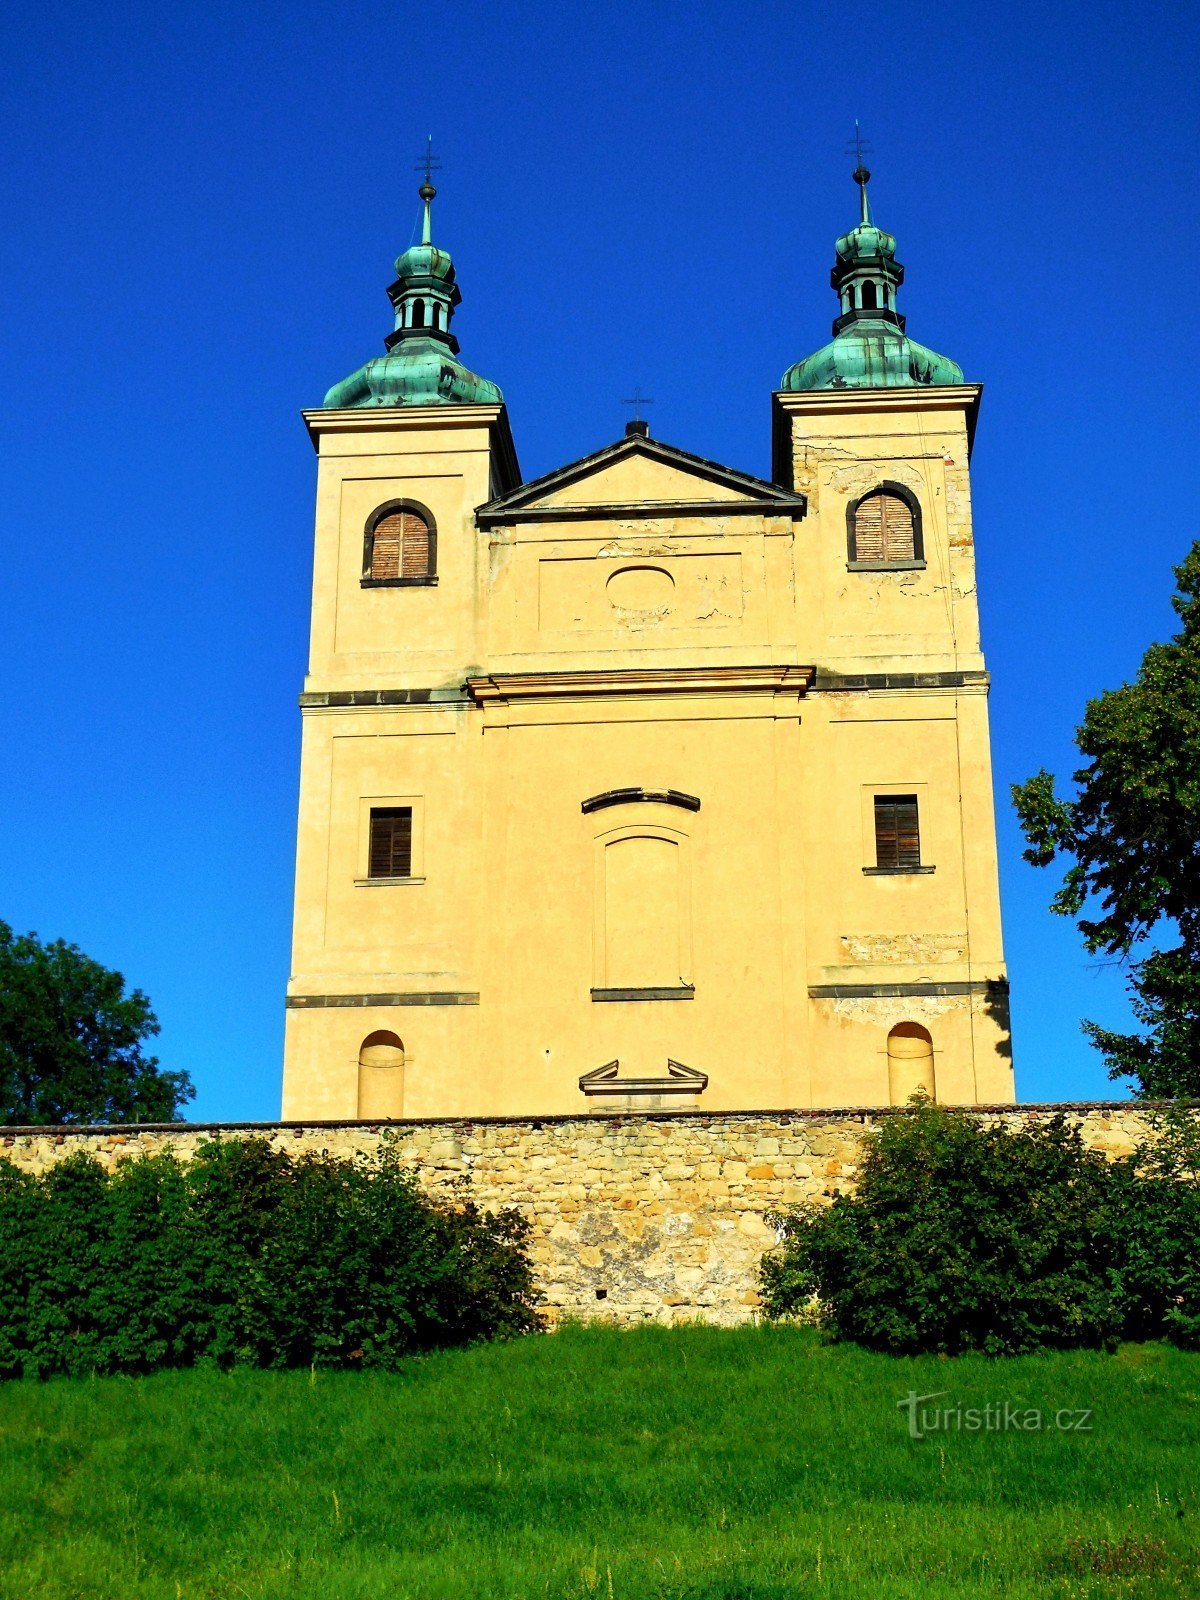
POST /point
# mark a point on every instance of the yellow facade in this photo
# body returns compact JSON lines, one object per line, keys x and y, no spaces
{"x":641,"y":722}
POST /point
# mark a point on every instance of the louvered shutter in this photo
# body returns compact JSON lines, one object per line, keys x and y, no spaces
{"x":390,"y":853}
{"x":897,"y":833}
{"x":868,"y":529}
{"x":401,"y":547}
{"x":883,"y":529}
{"x":416,"y":547}
{"x":385,"y":549}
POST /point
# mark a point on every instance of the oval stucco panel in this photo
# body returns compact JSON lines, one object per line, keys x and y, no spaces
{"x":641,"y":589}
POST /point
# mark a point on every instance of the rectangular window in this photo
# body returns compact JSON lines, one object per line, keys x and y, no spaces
{"x":897,"y":834}
{"x":390,"y":853}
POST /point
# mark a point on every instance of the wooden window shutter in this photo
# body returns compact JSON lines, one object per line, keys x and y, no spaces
{"x":402,"y":547}
{"x":390,"y":850}
{"x":883,"y":529}
{"x":897,"y":832}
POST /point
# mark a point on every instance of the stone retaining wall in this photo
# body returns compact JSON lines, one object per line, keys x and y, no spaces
{"x":643,"y":1217}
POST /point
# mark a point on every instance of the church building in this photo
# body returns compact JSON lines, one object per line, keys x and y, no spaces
{"x":648,"y":782}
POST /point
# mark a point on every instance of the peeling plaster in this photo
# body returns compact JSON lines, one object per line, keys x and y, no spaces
{"x":910,"y":948}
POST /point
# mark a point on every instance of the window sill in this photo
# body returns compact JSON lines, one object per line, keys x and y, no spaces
{"x":896,"y":872}
{"x":682,"y":991}
{"x":399,"y":583}
{"x":376,"y":883}
{"x":886,"y":566}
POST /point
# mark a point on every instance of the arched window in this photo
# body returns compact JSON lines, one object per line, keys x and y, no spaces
{"x":869,"y":301}
{"x":885,"y":528}
{"x":381,"y":1076}
{"x":418,"y":314}
{"x":910,"y":1063}
{"x":401,"y":545}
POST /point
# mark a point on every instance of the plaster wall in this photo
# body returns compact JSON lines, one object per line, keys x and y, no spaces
{"x":659,"y":624}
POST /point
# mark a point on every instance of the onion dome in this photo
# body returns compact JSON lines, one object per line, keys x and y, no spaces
{"x":425,"y":261}
{"x":419,"y":368}
{"x":865,"y":242}
{"x":870,"y":348}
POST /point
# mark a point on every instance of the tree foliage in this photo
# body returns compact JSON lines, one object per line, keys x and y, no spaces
{"x":1131,"y":837}
{"x":964,"y":1235}
{"x":71,"y":1041}
{"x":247,"y":1256}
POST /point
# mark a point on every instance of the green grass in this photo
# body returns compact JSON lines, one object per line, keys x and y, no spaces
{"x":656,"y":1465}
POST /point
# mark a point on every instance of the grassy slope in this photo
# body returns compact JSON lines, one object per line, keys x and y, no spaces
{"x":747,"y":1465}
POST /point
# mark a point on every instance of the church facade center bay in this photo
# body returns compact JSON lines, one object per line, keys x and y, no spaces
{"x":647,"y":783}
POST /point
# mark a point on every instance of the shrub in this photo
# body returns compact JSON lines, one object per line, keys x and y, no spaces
{"x":964,"y":1236}
{"x":246,"y":1254}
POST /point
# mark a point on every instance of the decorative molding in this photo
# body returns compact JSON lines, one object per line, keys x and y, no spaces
{"x":675,"y":991}
{"x":427,"y":997}
{"x":623,"y":797}
{"x":503,"y":687}
{"x":903,"y":991}
{"x":679,"y":1080}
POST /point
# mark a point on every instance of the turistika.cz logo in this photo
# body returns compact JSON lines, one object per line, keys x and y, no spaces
{"x":998,"y":1416}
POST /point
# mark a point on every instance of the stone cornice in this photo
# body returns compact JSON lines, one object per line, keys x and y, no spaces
{"x":407,"y":997}
{"x":866,"y":682}
{"x":436,"y":699}
{"x":934,"y":397}
{"x":628,"y":510}
{"x":753,"y":495}
{"x":501,"y":688}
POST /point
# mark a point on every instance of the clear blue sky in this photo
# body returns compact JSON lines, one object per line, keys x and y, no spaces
{"x":201,"y":209}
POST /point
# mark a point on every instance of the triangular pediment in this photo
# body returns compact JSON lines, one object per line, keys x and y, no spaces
{"x":639,"y":476}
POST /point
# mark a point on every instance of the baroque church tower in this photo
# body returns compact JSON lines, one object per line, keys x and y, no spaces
{"x":648,"y":782}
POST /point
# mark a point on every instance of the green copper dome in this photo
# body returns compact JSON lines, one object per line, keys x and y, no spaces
{"x":863,"y":241}
{"x":419,"y":368}
{"x":870,"y":349}
{"x":423,"y":373}
{"x":425,"y":261}
{"x":871,"y":355}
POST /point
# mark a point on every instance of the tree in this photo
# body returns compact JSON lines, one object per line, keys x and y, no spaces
{"x":1132,"y":837}
{"x":71,"y":1041}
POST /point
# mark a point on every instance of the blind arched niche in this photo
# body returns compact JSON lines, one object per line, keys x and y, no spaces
{"x":381,"y":1076}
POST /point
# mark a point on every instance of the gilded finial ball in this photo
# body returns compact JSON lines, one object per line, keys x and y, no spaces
{"x":861,"y":175}
{"x":427,"y":191}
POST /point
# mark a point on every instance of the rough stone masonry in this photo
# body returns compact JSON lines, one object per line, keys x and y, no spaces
{"x":645,"y":1217}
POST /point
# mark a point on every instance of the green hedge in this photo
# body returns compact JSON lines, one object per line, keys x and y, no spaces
{"x":246,"y":1254}
{"x":964,"y":1236}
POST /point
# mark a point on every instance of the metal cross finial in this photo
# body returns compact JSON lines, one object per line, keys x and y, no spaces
{"x":428,"y":164}
{"x":858,"y":148}
{"x":637,"y":400}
